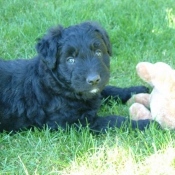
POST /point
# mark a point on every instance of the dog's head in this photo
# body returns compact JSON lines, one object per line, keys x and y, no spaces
{"x":78,"y":56}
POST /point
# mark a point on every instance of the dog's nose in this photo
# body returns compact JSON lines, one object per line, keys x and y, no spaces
{"x":93,"y":79}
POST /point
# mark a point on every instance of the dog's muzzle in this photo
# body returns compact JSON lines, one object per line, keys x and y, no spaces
{"x":93,"y":79}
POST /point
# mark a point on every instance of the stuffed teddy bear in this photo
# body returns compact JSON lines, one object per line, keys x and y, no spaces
{"x":160,"y":104}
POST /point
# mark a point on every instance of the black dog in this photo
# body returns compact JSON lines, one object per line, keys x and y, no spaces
{"x":63,"y":84}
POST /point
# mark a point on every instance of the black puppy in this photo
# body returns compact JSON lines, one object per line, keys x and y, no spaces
{"x":63,"y":84}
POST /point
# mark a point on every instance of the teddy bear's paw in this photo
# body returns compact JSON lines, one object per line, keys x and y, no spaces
{"x":142,"y":98}
{"x":139,"y":112}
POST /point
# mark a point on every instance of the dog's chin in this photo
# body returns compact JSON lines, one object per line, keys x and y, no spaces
{"x":88,"y":94}
{"x":94,"y":91}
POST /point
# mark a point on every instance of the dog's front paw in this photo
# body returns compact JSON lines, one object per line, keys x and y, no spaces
{"x":139,"y":89}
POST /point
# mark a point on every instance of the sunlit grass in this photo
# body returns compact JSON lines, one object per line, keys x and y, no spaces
{"x":170,"y":18}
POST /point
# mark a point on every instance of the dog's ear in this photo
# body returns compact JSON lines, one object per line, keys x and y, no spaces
{"x":104,"y":36}
{"x":106,"y":40}
{"x":47,"y":47}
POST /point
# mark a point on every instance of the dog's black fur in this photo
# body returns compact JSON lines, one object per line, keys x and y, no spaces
{"x":63,"y":84}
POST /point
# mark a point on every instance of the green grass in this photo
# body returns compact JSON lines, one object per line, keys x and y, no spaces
{"x":139,"y":31}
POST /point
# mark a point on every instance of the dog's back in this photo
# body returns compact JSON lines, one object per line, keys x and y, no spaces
{"x":15,"y":89}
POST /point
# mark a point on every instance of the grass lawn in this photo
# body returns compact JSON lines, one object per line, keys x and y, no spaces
{"x":139,"y":31}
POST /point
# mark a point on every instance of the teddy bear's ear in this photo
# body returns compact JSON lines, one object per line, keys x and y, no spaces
{"x":144,"y":70}
{"x":164,"y":79}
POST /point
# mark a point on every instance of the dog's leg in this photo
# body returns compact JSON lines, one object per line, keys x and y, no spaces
{"x":102,"y":124}
{"x":122,"y":94}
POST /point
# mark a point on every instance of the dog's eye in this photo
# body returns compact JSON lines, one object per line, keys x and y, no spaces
{"x":98,"y":53}
{"x":70,"y":60}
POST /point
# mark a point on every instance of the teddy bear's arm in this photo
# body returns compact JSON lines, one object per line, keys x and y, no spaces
{"x":142,"y":98}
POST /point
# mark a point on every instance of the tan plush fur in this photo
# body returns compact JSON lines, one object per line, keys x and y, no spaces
{"x":160,"y":104}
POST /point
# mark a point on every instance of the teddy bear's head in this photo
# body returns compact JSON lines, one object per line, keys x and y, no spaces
{"x":159,"y":75}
